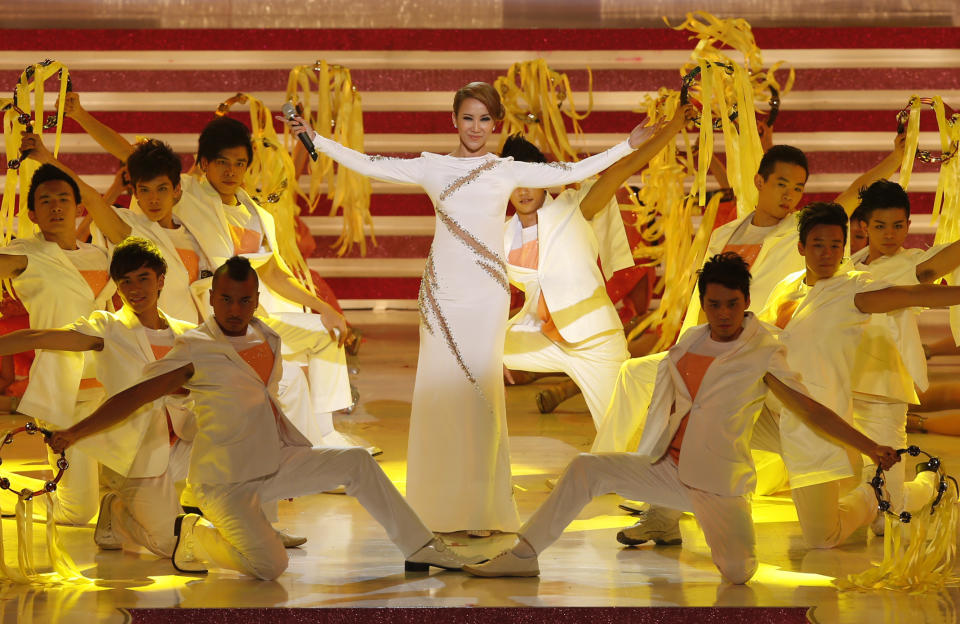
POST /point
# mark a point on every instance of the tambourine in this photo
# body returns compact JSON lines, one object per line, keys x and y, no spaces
{"x":932,"y":464}
{"x":50,"y":486}
{"x":24,"y":119}
{"x":925,"y":155}
{"x":688,"y":80}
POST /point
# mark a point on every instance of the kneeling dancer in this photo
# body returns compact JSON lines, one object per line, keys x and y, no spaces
{"x":695,"y":451}
{"x":245,"y":450}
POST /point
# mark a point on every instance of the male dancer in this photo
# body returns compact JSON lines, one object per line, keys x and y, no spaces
{"x":695,"y":451}
{"x":60,"y":280}
{"x":823,"y":311}
{"x":568,"y":323}
{"x":882,"y":386}
{"x":245,"y":450}
{"x":155,"y":176}
{"x":767,"y":239}
{"x":144,"y":456}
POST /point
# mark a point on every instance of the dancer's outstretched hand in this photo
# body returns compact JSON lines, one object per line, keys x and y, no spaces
{"x":60,"y":440}
{"x":884,"y":456}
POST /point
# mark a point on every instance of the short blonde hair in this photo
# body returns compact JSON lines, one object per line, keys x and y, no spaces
{"x":482,"y":92}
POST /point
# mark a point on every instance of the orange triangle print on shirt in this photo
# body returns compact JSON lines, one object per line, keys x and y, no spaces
{"x":785,"y":312}
{"x":245,"y":241}
{"x":96,"y":280}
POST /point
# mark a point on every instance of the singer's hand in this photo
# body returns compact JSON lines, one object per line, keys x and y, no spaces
{"x":297,"y":125}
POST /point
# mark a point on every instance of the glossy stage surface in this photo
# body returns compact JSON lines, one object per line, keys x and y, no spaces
{"x":348,"y":561}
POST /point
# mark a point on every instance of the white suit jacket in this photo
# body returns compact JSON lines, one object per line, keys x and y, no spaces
{"x":140,"y":445}
{"x":907,"y":367}
{"x":567,"y":273}
{"x":200,"y":210}
{"x":822,"y":340}
{"x":54,"y":293}
{"x":176,"y":299}
{"x":778,"y":258}
{"x":238,"y":436}
{"x":715,"y":454}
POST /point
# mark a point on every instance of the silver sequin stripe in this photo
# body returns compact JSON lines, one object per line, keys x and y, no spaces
{"x":460,"y":182}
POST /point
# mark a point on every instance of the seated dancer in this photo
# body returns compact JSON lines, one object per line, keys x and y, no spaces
{"x":767,"y":239}
{"x":158,"y":187}
{"x":567,"y":322}
{"x":823,"y":312}
{"x":60,"y":280}
{"x":144,"y":456}
{"x":695,"y":450}
{"x":245,"y":450}
{"x":882,"y":385}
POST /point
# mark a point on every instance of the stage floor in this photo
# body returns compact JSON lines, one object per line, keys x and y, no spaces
{"x":348,"y":561}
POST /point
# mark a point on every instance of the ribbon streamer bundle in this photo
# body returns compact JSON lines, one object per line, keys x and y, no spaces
{"x":65,"y":570}
{"x":665,"y":216}
{"x":335,"y":113}
{"x":946,"y":202}
{"x":727,"y":91}
{"x":535,"y":99}
{"x":19,"y":116}
{"x":270,"y":180}
{"x":920,"y":548}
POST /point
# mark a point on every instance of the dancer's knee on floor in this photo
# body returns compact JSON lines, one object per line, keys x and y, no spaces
{"x":268,"y":564}
{"x":821,"y":537}
{"x":738,"y":572}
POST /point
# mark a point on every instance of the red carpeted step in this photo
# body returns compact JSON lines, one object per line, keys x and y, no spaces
{"x":476,"y":615}
{"x":440,"y":39}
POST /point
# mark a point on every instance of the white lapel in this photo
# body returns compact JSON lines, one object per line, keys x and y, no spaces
{"x":784,"y":228}
{"x":131,"y":322}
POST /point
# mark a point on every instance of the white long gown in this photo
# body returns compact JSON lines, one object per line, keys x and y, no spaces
{"x":458,"y":459}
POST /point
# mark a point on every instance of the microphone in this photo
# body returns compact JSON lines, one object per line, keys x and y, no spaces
{"x":290,"y":112}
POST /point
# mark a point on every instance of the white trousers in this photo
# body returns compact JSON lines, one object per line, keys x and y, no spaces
{"x":726,"y":521}
{"x":592,"y":364}
{"x":241,"y":537}
{"x":826,"y":517}
{"x":78,"y":493}
{"x":886,"y":423}
{"x":145,"y":509}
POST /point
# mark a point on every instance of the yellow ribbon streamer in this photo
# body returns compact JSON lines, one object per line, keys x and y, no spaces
{"x":535,"y":99}
{"x":64,"y":571}
{"x":31,"y":80}
{"x":723,"y":90}
{"x":665,"y":217}
{"x":333,"y":106}
{"x":919,"y":556}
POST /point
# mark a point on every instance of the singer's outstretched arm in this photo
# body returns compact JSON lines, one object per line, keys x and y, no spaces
{"x":397,"y":170}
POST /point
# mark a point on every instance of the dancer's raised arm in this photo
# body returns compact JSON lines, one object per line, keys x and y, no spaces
{"x":546,"y":175}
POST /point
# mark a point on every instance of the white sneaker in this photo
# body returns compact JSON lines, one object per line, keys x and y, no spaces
{"x":506,"y":564}
{"x":436,"y":554}
{"x":103,"y":535}
{"x":662,"y":528}
{"x":184,"y":557}
{"x":290,"y":541}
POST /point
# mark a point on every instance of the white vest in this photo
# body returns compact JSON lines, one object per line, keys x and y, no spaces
{"x":55,"y":293}
{"x":568,"y":277}
{"x":139,"y":446}
{"x":778,"y":258}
